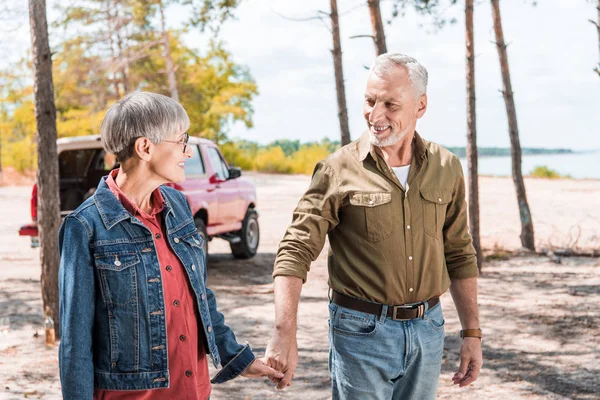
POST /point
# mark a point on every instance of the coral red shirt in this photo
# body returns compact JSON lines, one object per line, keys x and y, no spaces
{"x":188,"y":364}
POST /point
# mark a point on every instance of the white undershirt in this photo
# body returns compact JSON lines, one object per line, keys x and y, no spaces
{"x":402,"y":174}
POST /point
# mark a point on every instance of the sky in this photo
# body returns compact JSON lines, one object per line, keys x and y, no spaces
{"x":552,"y":51}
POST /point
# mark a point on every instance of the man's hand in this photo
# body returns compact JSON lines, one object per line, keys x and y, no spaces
{"x":258,"y":369}
{"x":471,"y":361}
{"x":282,"y":354}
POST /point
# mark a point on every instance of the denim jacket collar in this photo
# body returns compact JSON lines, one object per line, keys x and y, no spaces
{"x":112,"y":211}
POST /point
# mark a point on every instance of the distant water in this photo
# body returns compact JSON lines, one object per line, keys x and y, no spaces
{"x":578,"y":165}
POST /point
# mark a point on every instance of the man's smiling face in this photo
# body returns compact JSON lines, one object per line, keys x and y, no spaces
{"x":391,"y":108}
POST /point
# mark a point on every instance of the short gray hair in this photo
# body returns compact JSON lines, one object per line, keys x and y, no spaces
{"x":141,"y":114}
{"x":417,"y":74}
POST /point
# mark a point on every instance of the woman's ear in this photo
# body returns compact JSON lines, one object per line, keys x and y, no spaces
{"x":143,"y":148}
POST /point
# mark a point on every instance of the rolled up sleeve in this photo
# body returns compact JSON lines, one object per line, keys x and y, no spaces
{"x":315,"y":216}
{"x":461,"y":260}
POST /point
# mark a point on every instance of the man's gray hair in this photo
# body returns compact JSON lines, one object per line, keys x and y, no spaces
{"x":141,"y":114}
{"x":417,"y":74}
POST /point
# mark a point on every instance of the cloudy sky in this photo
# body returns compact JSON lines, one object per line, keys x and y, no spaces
{"x":553,"y":49}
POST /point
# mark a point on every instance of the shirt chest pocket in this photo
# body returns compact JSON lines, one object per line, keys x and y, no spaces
{"x":435,"y":202}
{"x":378,"y":213}
{"x":117,"y":273}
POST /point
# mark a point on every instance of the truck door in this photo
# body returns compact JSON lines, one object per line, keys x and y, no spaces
{"x":227,"y":190}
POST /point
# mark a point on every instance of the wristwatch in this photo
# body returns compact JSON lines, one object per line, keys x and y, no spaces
{"x":471,"y":333}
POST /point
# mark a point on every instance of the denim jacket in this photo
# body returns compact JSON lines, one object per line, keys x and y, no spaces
{"x":112,"y":312}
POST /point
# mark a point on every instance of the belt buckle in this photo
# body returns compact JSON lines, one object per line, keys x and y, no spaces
{"x":420,"y":312}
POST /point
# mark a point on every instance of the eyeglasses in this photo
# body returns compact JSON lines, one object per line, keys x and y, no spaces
{"x":183,"y":141}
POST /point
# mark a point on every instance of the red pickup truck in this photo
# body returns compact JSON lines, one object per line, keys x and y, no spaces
{"x":223,"y":203}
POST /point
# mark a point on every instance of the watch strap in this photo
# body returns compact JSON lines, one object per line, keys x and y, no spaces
{"x":471,"y":333}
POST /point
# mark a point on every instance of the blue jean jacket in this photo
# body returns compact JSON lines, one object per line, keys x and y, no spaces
{"x":112,"y":312}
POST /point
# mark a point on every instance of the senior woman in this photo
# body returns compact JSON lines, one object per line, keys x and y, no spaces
{"x":137,"y":320}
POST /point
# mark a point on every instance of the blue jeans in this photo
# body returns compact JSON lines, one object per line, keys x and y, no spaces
{"x":374,"y":357}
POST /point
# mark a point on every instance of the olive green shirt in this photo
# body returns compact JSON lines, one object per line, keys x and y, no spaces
{"x":388,"y":244}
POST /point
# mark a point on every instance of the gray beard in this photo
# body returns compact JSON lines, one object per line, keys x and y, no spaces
{"x":391,"y":140}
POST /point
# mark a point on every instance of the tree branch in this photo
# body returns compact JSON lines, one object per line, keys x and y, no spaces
{"x":362,"y":36}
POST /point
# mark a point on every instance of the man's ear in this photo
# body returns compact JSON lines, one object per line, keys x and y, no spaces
{"x":422,"y":104}
{"x":143,"y":148}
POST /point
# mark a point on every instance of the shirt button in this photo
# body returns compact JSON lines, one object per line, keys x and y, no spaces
{"x":410,"y":290}
{"x":202,"y":297}
{"x":176,"y":240}
{"x":169,"y":268}
{"x":176,"y":303}
{"x":193,"y":267}
{"x":440,"y":199}
{"x":209,"y":329}
{"x":182,"y":337}
{"x":371,"y":202}
{"x":157,"y":236}
{"x":188,"y":373}
{"x":410,"y":258}
{"x":408,"y":227}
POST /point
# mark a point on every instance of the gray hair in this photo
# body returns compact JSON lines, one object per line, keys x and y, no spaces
{"x":141,"y":114}
{"x":417,"y":74}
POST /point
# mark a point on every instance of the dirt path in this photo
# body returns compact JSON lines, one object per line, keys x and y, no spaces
{"x":540,"y":319}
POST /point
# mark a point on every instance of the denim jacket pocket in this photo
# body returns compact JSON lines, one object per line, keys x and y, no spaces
{"x":118,"y":277}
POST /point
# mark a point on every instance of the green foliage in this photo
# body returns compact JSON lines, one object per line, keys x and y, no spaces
{"x":505,"y":152}
{"x":236,"y":156}
{"x":278,"y":156}
{"x":541,"y":171}
{"x":214,"y":90}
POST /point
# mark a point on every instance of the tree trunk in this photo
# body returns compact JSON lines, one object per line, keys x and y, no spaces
{"x":168,"y":59}
{"x":597,"y":69}
{"x":472,"y":135}
{"x":110,"y":19}
{"x":340,"y":87}
{"x":47,"y":175}
{"x":527,"y":237}
{"x":377,"y":23}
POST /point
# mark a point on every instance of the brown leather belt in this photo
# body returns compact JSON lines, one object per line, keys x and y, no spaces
{"x":398,"y":313}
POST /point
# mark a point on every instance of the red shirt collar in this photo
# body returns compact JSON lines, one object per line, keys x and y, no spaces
{"x":156,"y":199}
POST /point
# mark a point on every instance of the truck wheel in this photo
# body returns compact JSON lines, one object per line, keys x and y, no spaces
{"x":201,"y":227}
{"x":249,"y":235}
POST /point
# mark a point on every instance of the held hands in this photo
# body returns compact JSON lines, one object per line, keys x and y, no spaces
{"x":258,"y":369}
{"x":282,"y":354}
{"x":471,"y":361}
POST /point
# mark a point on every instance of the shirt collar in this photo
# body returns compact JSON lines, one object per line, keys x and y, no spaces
{"x":365,"y":147}
{"x":157,"y":200}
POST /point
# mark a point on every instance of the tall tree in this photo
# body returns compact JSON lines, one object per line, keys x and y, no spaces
{"x":167,"y":54}
{"x":47,"y":176}
{"x":597,"y":25}
{"x":340,"y":87}
{"x":377,"y":23}
{"x":527,"y":236}
{"x":472,"y":134}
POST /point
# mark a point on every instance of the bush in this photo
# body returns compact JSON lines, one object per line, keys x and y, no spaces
{"x":304,"y":160}
{"x":237,"y":157}
{"x":21,"y":155}
{"x":272,"y":160}
{"x":541,"y":171}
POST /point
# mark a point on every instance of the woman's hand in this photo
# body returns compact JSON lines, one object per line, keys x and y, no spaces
{"x":259,"y":369}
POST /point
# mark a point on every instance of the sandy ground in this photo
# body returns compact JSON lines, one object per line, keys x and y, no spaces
{"x":540,"y":319}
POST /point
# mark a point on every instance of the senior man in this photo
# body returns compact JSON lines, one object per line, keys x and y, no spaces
{"x":393,"y":206}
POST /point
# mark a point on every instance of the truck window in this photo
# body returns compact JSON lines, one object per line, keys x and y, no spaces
{"x":217,"y":163}
{"x":194,"y":166}
{"x":79,"y":163}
